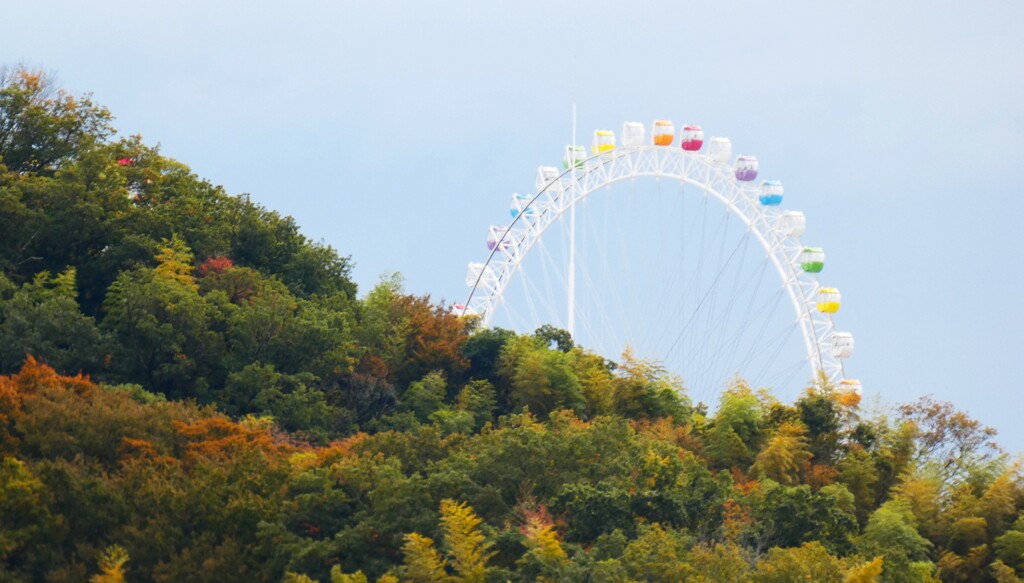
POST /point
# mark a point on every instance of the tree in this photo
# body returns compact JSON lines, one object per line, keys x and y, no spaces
{"x":292,"y":400}
{"x":721,"y":562}
{"x":466,"y":546}
{"x":593,"y":510}
{"x":870,"y":572}
{"x":948,"y":438}
{"x":483,"y":350}
{"x":43,"y":319}
{"x":545,"y":558}
{"x":422,"y":562}
{"x":791,"y":516}
{"x":166,"y":332}
{"x":554,"y":338}
{"x":808,"y":562}
{"x":858,"y":473}
{"x":542,"y":380}
{"x":478,"y":398}
{"x":42,"y":128}
{"x":425,"y":396}
{"x":892,"y":532}
{"x":644,"y":389}
{"x":923,"y":495}
{"x":820,"y":414}
{"x":1009,"y":547}
{"x":784,"y":456}
{"x":112,"y":565}
{"x":655,"y":555}
{"x":1003,"y":574}
{"x":25,"y":517}
{"x":735,"y":430}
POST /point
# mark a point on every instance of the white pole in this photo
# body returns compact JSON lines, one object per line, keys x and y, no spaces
{"x":572,"y":230}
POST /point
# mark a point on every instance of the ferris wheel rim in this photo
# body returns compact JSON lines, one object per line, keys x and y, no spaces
{"x":817,"y":328}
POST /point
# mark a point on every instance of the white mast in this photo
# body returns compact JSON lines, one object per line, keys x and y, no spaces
{"x":571,"y":322}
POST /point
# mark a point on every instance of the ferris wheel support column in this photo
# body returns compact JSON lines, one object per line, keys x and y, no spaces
{"x":571,"y":319}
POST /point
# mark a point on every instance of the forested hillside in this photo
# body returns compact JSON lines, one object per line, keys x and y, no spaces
{"x":191,"y":390}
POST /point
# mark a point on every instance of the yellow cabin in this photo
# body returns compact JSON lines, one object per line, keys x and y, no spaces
{"x":828,"y":300}
{"x":604,"y":140}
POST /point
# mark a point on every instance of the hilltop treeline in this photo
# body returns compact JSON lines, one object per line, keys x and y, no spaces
{"x":190,"y":390}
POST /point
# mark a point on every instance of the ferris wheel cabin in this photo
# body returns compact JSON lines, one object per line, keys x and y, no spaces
{"x":574,"y":155}
{"x":519,"y":205}
{"x":771,"y":193}
{"x":496,"y":236}
{"x":746,"y":168}
{"x":792,"y":223}
{"x":664,"y":132}
{"x":829,"y":300}
{"x":851,"y":386}
{"x":692,"y":138}
{"x":720,"y":150}
{"x":604,"y":140}
{"x":547,"y":177}
{"x":842,"y":344}
{"x":462,"y":310}
{"x":633,"y":134}
{"x":812,"y":259}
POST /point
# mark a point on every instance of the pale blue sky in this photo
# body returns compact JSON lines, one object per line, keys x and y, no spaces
{"x":898,"y":127}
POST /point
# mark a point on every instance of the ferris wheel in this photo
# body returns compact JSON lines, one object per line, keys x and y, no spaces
{"x":693,"y":264}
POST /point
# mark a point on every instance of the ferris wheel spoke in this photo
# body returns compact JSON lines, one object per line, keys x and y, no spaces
{"x":710,"y":289}
{"x":748,"y":313}
{"x":774,"y":355}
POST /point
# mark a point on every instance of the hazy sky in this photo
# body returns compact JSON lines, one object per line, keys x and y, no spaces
{"x":395,"y":132}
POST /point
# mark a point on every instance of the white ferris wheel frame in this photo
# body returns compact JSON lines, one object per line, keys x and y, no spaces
{"x":703,"y":171}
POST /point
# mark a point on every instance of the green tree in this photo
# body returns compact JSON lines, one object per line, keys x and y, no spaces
{"x":1009,"y":547}
{"x":479,"y":399}
{"x":655,"y":555}
{"x":735,"y":431}
{"x":42,"y":128}
{"x":820,"y":414}
{"x":892,"y":532}
{"x":43,"y":319}
{"x":25,"y":517}
{"x":167,"y":334}
{"x":542,"y":380}
{"x":426,"y":396}
{"x":644,"y":389}
{"x":858,"y":473}
{"x":593,"y":510}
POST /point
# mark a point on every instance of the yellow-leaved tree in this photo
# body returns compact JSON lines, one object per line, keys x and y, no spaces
{"x":176,"y":262}
{"x":870,"y":572}
{"x":785,"y":455}
{"x":466,"y":546}
{"x":422,"y":562}
{"x":112,"y":567}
